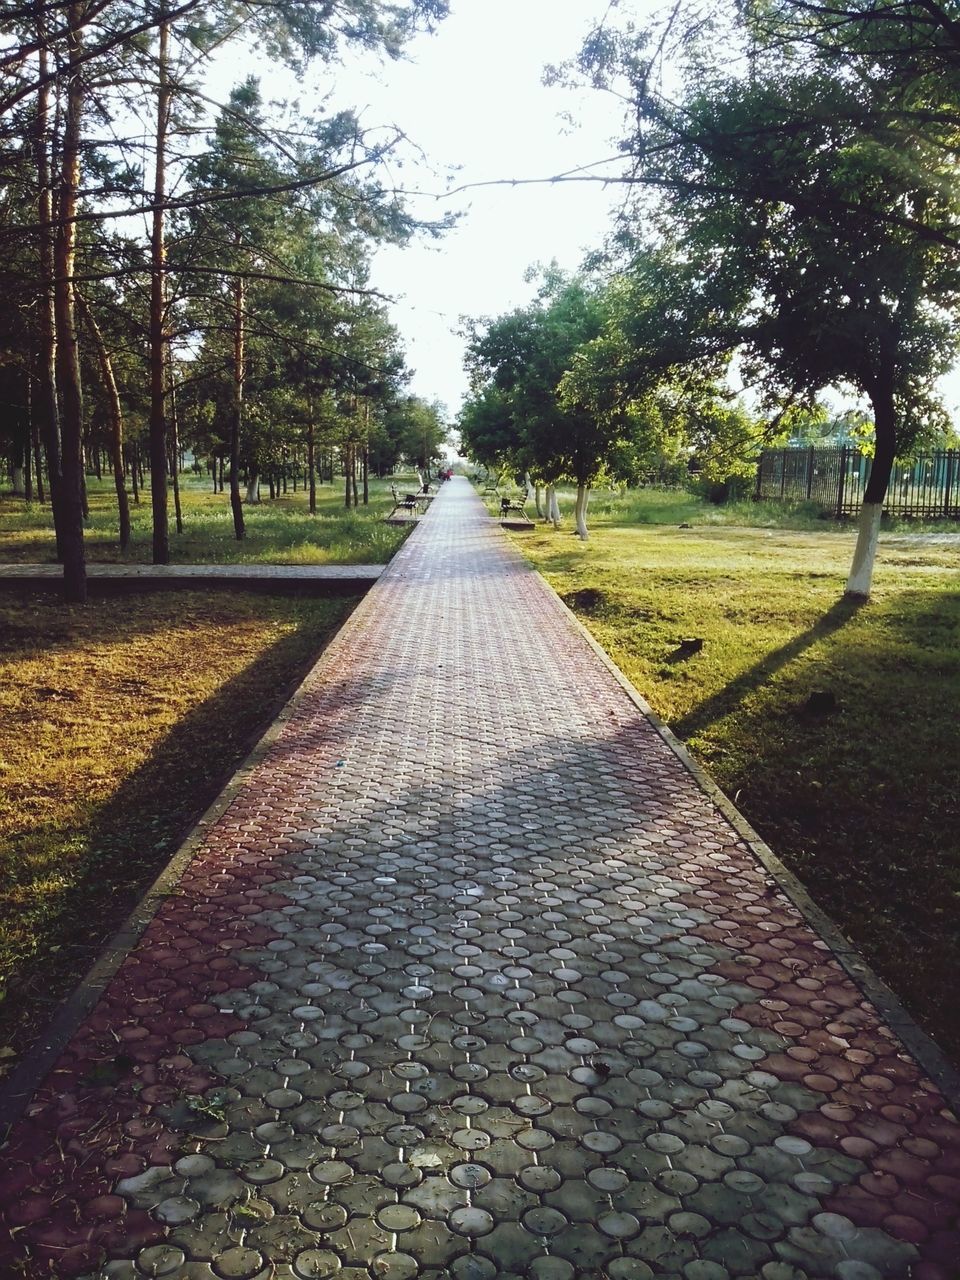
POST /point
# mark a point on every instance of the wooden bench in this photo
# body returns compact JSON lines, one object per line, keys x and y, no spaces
{"x":518,"y":504}
{"x":403,"y":502}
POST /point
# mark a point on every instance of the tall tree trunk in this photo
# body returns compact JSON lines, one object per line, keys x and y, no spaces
{"x":312,"y":462}
{"x":174,"y":440}
{"x":353,"y":472}
{"x":114,"y":418}
{"x":347,"y":468}
{"x":885,"y":451}
{"x":35,"y":441}
{"x":47,"y":405}
{"x":583,"y":497}
{"x":366,"y":453}
{"x":133,"y":454}
{"x":68,"y":356}
{"x":158,"y":303}
{"x":236,"y":417}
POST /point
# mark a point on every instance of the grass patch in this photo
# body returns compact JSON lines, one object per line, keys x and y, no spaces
{"x":860,"y":797}
{"x":281,"y":531}
{"x":119,"y":725}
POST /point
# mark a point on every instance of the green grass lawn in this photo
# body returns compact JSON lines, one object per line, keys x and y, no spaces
{"x":120,"y":721}
{"x":281,"y":531}
{"x":862,"y":803}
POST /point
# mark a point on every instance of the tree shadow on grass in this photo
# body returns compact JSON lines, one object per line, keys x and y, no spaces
{"x":133,"y":834}
{"x":731,"y":695}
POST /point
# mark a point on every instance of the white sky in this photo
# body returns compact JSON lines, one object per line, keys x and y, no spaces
{"x":471,"y":97}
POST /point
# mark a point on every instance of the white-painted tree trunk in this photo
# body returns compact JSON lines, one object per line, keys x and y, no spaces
{"x":253,"y":489}
{"x":583,"y":497}
{"x":865,"y":554}
{"x":553,"y":506}
{"x":539,"y":503}
{"x":19,"y":482}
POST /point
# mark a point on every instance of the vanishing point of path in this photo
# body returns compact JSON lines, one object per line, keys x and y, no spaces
{"x":468,"y":978}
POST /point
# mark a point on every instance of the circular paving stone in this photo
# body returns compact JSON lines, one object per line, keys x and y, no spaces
{"x":470,"y":1139}
{"x":408,"y":1104}
{"x":471,"y":1266}
{"x":400,"y":1174}
{"x":730,"y":1144}
{"x":324,"y":1216}
{"x":394,"y":1266}
{"x":610,"y":1180}
{"x":313,"y":1264}
{"x":602,"y":1143}
{"x":330,"y":1172}
{"x":792,"y":1146}
{"x":194,"y":1166}
{"x":469,"y":1176}
{"x":619,"y":1226}
{"x":850,"y":1270}
{"x":704,"y":1270}
{"x":471,"y":1222}
{"x":238,"y":1263}
{"x":261,"y":1172}
{"x":404,"y":1135}
{"x":666,"y":1143}
{"x":161,"y":1260}
{"x":689,"y":1224}
{"x":398,"y":1217}
{"x":551,"y":1269}
{"x":628,"y":1269}
{"x":544,"y":1221}
{"x":834,"y":1225}
{"x":535,"y":1140}
{"x":531,"y":1104}
{"x":176,"y":1210}
{"x":743,"y":1180}
{"x":411,"y":1070}
{"x":539,"y":1178}
{"x":339,"y":1135}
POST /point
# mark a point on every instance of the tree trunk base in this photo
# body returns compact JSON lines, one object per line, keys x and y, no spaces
{"x":865,"y":553}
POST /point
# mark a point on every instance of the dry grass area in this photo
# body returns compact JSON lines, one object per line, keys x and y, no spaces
{"x":119,"y":723}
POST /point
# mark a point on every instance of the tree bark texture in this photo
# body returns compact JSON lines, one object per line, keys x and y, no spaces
{"x":236,"y":416}
{"x":583,"y":497}
{"x":885,"y":451}
{"x":45,"y":403}
{"x":114,"y":418}
{"x":158,"y":302}
{"x":70,"y":394}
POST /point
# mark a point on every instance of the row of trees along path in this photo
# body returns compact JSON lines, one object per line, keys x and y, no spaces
{"x":153,"y":260}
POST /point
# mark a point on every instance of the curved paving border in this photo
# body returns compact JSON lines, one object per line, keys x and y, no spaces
{"x":467,"y":978}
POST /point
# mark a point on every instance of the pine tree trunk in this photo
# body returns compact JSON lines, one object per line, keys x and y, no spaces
{"x":311,"y":463}
{"x":366,"y":453}
{"x":174,"y":440}
{"x":158,"y":299}
{"x":47,"y":405}
{"x":134,"y":473}
{"x":236,"y":417}
{"x":115,"y":419}
{"x":347,"y":468}
{"x":68,"y":357}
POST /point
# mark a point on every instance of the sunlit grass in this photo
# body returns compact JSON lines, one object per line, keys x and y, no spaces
{"x":119,"y":722}
{"x":863,"y":803}
{"x":278,"y":531}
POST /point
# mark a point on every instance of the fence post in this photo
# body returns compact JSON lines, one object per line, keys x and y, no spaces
{"x":810,"y":461}
{"x":842,"y":480}
{"x":759,"y":490}
{"x":948,"y":483}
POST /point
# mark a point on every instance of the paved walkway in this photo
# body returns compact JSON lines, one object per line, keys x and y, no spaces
{"x":470,"y":979}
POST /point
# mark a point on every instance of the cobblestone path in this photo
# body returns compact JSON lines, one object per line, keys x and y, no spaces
{"x":471,"y":980}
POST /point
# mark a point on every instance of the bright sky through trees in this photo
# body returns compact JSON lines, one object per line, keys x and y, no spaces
{"x":471,"y":96}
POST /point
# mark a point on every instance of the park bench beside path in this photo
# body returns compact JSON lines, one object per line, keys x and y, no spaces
{"x":469,"y":975}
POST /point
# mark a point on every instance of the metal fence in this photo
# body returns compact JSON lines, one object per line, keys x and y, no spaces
{"x":835,"y":479}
